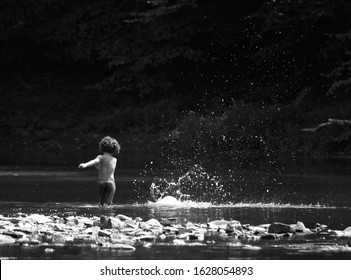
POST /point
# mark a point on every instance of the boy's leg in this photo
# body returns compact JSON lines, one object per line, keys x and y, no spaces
{"x":110,"y":192}
{"x":102,"y":193}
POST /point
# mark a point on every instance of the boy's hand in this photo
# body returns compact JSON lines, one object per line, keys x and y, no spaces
{"x":82,"y":165}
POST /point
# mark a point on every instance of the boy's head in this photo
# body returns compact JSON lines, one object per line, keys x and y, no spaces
{"x":109,"y":145}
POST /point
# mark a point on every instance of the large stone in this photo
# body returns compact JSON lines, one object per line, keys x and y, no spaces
{"x":104,"y":222}
{"x":145,"y":238}
{"x":13,"y":234}
{"x":280,"y":228}
{"x":298,"y":227}
{"x":234,"y":228}
{"x":153,"y":223}
{"x":269,"y":236}
{"x":58,"y":238}
{"x":131,"y":223}
{"x":5,"y":239}
{"x":259,"y":230}
{"x":123,"y":217}
{"x":39,"y":219}
{"x":122,"y":247}
{"x":144,"y":226}
{"x":341,"y":233}
{"x":219,"y":223}
{"x":115,"y":223}
{"x":86,"y":221}
{"x":104,"y":233}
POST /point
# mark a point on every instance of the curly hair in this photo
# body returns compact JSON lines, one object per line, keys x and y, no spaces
{"x":109,"y":145}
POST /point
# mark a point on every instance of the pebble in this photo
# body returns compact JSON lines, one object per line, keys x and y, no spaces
{"x":124,"y":233}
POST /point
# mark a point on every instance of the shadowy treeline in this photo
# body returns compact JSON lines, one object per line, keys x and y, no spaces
{"x":243,"y":75}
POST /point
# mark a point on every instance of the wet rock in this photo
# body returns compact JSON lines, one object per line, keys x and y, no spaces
{"x":182,"y":230}
{"x":169,"y":221}
{"x":13,"y":234}
{"x":341,"y":233}
{"x":37,"y":218}
{"x":300,"y":229}
{"x":219,"y":223}
{"x":87,"y":222}
{"x":122,"y":247}
{"x":178,"y":242}
{"x":131,"y":223}
{"x":60,"y":228}
{"x":23,"y":240}
{"x":34,"y":242}
{"x":280,"y":228}
{"x":183,"y":235}
{"x":170,"y":229}
{"x":212,"y":226}
{"x":259,"y":230}
{"x":269,"y":236}
{"x":265,"y":226}
{"x":84,"y":239}
{"x":58,"y":238}
{"x":104,"y":222}
{"x":234,"y":228}
{"x":191,"y":226}
{"x":123,"y":217}
{"x":4,"y":224}
{"x":115,"y":237}
{"x":144,"y":226}
{"x":127,"y":230}
{"x":5,"y":239}
{"x":153,"y":223}
{"x":104,"y":233}
{"x":287,"y":235}
{"x":221,"y":231}
{"x":13,"y":220}
{"x":115,"y":223}
{"x":145,"y":238}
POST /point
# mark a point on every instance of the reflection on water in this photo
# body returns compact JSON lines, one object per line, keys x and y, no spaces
{"x":315,"y":197}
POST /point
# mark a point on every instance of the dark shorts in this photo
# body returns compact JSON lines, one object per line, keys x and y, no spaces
{"x":106,"y":192}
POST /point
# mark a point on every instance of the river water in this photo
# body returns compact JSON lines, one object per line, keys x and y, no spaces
{"x":309,"y":191}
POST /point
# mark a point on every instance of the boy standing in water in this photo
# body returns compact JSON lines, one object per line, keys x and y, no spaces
{"x":106,"y":164}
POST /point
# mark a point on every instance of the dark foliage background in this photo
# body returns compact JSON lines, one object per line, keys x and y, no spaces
{"x":242,"y":78}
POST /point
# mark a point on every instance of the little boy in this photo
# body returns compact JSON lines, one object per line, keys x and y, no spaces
{"x":106,"y":164}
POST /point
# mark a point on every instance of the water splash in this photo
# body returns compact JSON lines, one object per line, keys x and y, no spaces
{"x":194,"y":185}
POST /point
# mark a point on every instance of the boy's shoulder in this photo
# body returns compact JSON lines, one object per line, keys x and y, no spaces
{"x":107,"y":157}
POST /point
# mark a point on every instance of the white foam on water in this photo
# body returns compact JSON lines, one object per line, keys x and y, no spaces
{"x":171,"y":201}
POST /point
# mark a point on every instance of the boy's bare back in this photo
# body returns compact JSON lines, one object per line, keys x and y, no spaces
{"x":106,"y":164}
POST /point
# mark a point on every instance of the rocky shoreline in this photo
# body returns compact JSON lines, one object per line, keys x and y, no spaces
{"x":124,"y":233}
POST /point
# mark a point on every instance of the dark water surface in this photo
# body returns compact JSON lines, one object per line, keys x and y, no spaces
{"x":313,"y":192}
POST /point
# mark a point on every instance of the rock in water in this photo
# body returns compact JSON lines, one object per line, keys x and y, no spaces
{"x":122,"y":247}
{"x":37,"y":218}
{"x":115,"y":222}
{"x":123,"y":217}
{"x":280,"y":228}
{"x":5,"y":239}
{"x":153,"y":223}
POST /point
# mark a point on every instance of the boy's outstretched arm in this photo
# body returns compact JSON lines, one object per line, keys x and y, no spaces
{"x":89,"y":163}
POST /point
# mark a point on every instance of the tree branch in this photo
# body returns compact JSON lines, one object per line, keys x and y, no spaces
{"x":330,"y":122}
